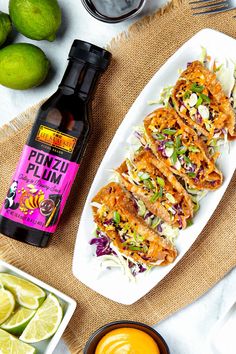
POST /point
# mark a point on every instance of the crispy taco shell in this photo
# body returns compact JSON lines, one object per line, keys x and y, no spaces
{"x":179,"y":147}
{"x":203,"y":83}
{"x":152,"y":248}
{"x":175,"y":212}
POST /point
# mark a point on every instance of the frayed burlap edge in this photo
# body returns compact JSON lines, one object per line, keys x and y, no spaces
{"x":21,"y":122}
{"x":72,"y":342}
{"x":143,"y":22}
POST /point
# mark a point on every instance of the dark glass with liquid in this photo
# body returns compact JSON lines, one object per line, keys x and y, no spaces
{"x":54,"y":150}
{"x":113,"y":11}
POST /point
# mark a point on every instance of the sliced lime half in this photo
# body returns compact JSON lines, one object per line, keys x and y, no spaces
{"x":45,"y":322}
{"x":7,"y":304}
{"x":26,"y":293}
{"x":17,"y":322}
{"x":12,"y":345}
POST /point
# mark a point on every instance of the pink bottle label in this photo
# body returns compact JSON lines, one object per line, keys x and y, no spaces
{"x":39,"y":189}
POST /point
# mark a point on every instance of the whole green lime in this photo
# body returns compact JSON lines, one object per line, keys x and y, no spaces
{"x":36,"y":19}
{"x":5,"y":27}
{"x":22,"y":66}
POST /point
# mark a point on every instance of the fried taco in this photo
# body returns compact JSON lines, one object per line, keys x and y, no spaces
{"x":150,"y":181}
{"x":179,"y":147}
{"x":200,"y":100}
{"x":115,"y":214}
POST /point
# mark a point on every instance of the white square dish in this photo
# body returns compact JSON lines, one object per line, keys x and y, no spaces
{"x":67,"y":303}
{"x":113,"y":284}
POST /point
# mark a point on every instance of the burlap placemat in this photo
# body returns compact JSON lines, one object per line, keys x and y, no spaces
{"x":136,"y":57}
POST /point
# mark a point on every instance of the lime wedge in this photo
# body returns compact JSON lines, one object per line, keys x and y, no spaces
{"x":17,"y":322}
{"x":11,"y":345}
{"x":7,"y":304}
{"x":45,"y":322}
{"x":26,"y":293}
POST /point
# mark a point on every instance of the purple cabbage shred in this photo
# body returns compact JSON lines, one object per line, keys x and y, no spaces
{"x":139,"y":137}
{"x":102,"y":243}
{"x":136,"y":269}
{"x":179,"y":209}
{"x":180,"y":223}
{"x":198,"y":118}
{"x":148,"y":214}
{"x":159,"y":228}
{"x":109,"y":222}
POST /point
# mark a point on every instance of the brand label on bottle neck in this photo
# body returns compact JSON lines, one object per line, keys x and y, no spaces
{"x":39,"y":189}
{"x":56,"y":139}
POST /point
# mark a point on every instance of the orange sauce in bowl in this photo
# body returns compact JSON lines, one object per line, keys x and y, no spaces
{"x":127,"y":341}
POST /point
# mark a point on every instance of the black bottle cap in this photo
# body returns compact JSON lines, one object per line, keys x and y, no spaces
{"x":90,"y":53}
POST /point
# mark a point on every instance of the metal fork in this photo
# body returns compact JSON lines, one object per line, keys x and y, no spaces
{"x":212,"y":6}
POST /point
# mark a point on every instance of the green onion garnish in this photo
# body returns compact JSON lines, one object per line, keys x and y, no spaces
{"x":135,"y":248}
{"x":148,"y":184}
{"x":178,"y":141}
{"x":174,"y":158}
{"x":160,"y":136}
{"x":186,"y":159}
{"x":116,"y":217}
{"x":171,"y":198}
{"x":191,"y":174}
{"x":143,"y":175}
{"x":181,"y":150}
{"x":156,"y":195}
{"x":169,"y":144}
{"x":187,"y":94}
{"x":160,"y":192}
{"x":156,"y":221}
{"x":189,"y":222}
{"x":140,"y":238}
{"x":169,"y":131}
{"x":205,"y":98}
{"x":141,"y":208}
{"x":154,"y":198}
{"x":193,"y":148}
{"x":196,"y":88}
{"x":160,"y":181}
{"x":199,"y":101}
{"x":218,"y":68}
{"x":196,"y":207}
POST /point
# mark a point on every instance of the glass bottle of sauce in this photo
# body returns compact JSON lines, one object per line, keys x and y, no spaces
{"x":52,"y":155}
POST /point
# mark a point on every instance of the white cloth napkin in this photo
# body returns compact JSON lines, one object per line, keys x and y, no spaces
{"x":222,"y":338}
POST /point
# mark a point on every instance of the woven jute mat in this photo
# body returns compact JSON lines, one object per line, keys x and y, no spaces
{"x":136,"y":57}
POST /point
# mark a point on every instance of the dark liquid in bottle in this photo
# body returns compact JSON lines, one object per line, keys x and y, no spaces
{"x":115,"y":8}
{"x":51,"y":156}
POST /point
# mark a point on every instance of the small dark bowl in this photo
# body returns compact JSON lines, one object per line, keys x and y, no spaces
{"x":99,"y":16}
{"x":95,"y":338}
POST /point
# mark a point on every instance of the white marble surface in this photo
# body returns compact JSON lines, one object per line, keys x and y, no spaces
{"x":189,"y":330}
